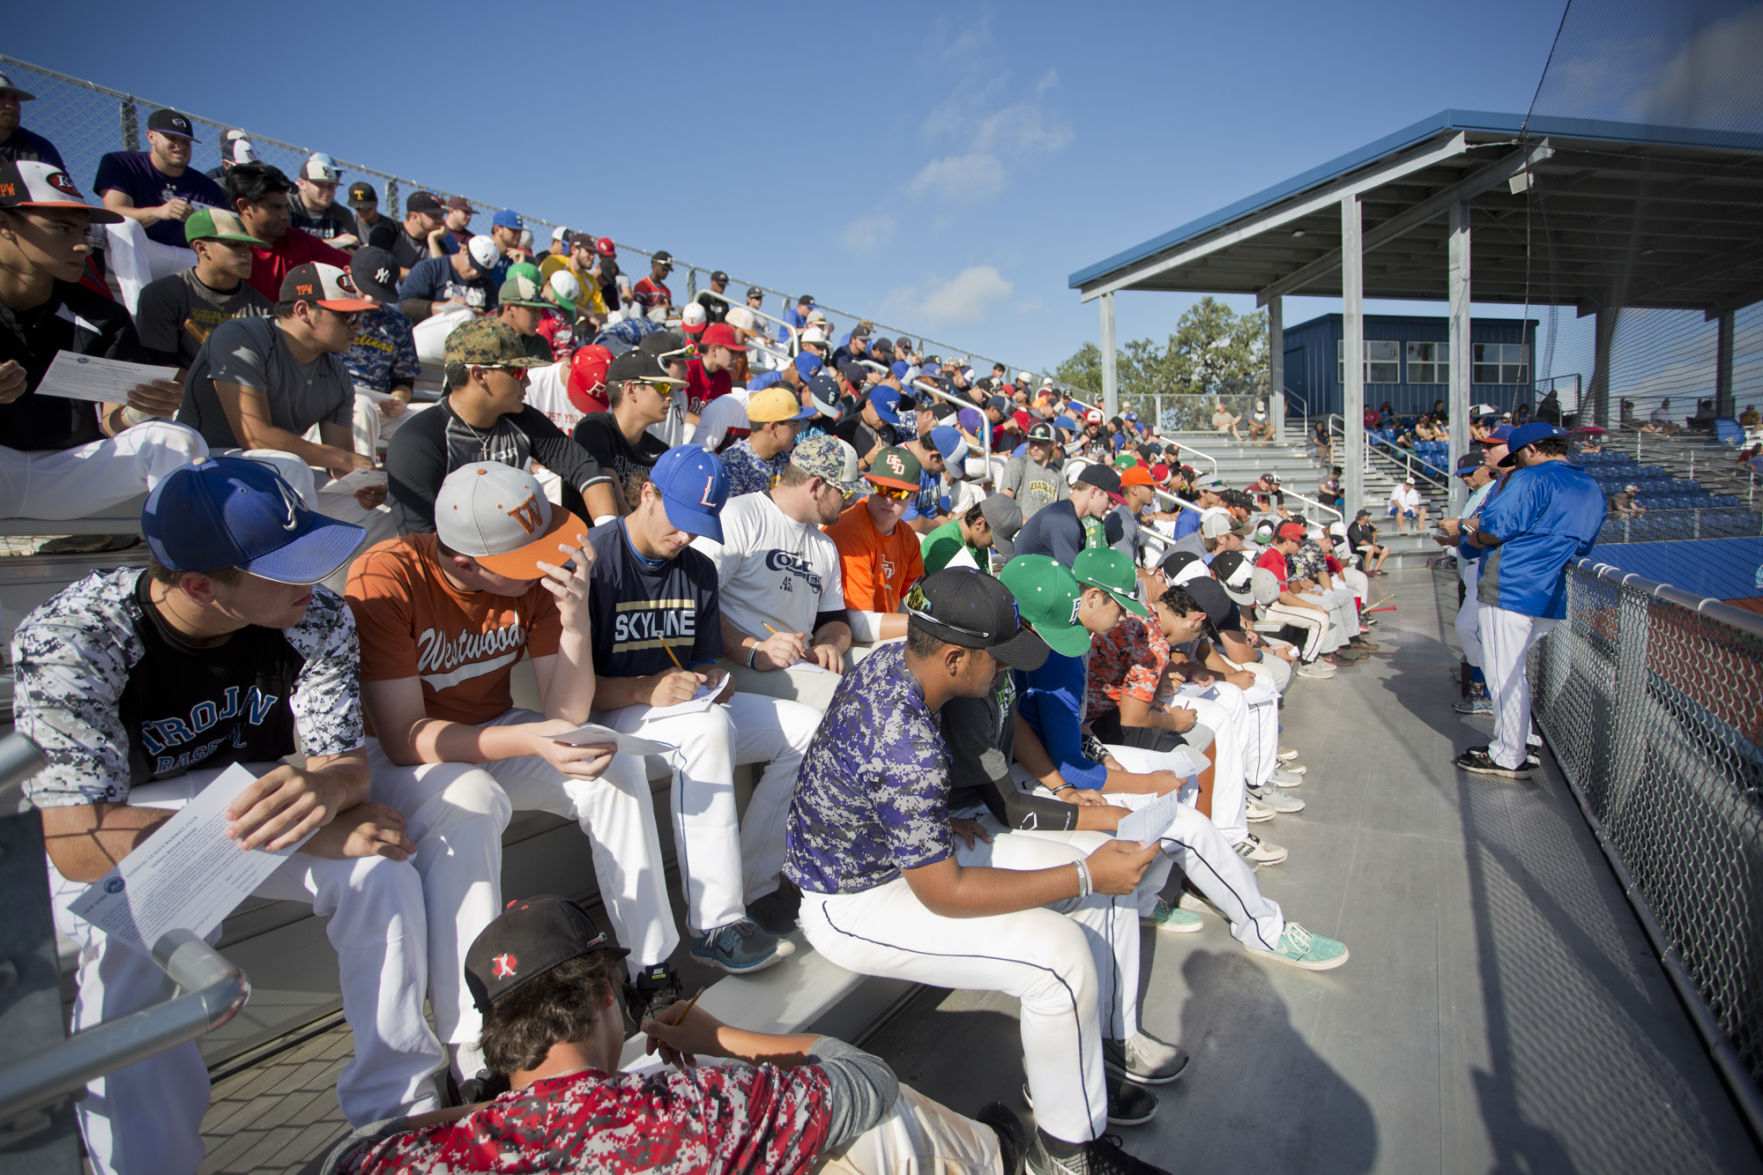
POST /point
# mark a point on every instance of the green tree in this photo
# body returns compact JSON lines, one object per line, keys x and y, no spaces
{"x":1082,"y":372}
{"x":1212,"y":351}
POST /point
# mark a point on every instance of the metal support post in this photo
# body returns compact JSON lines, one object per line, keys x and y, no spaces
{"x":1110,"y":374}
{"x":1460,"y":345}
{"x":1276,"y":366}
{"x":1723,"y":402}
{"x":1604,"y":412}
{"x":131,"y":125}
{"x":1353,"y":351}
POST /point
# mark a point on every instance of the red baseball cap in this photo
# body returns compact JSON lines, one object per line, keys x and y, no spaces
{"x":1291,"y":531}
{"x":587,"y":378}
{"x":1159,"y":473}
{"x":720,"y":334}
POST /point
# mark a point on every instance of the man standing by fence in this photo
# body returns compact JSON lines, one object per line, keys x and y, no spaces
{"x":1545,"y":514}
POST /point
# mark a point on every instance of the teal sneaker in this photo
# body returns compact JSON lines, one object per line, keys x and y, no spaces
{"x":1299,"y":948}
{"x":1172,"y":919}
{"x":741,"y":947}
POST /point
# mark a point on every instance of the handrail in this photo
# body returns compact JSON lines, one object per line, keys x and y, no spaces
{"x":1187,"y":448}
{"x":795,"y":346}
{"x":1312,"y":501}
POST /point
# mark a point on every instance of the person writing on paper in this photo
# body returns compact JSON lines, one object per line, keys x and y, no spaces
{"x":784,"y":626}
{"x":141,"y":687}
{"x":444,"y":616}
{"x":546,"y":977}
{"x":62,"y":457}
{"x":654,"y":599}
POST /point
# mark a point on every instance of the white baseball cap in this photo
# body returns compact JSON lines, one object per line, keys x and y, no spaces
{"x":483,"y":252}
{"x":499,"y":515}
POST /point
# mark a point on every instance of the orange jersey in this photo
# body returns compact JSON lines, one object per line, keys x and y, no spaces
{"x":877,"y":568}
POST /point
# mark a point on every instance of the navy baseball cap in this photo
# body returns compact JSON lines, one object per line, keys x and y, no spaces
{"x":823,"y":392}
{"x":235,"y":512}
{"x":1498,"y":436}
{"x":886,"y":402}
{"x":1468,"y":463}
{"x":693,"y":489}
{"x":1526,"y":435}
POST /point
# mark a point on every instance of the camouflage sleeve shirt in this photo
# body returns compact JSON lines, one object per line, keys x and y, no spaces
{"x":872,"y":798}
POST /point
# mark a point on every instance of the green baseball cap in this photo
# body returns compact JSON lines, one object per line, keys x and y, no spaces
{"x":895,"y":468}
{"x":1048,"y":595}
{"x":523,"y":287}
{"x":486,"y":342}
{"x":1108,"y":569}
{"x":217,"y":224}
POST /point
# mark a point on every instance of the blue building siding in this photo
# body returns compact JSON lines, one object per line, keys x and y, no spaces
{"x":1313,"y":371}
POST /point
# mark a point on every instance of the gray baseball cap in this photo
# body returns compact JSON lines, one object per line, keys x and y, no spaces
{"x":827,"y":457}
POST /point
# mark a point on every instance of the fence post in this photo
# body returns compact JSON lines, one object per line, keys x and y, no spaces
{"x":131,"y":126}
{"x":1628,"y":763}
{"x":393,"y":208}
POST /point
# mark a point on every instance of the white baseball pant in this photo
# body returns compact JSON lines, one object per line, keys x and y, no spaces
{"x":918,"y":1137}
{"x":1506,"y":638}
{"x":1343,"y":612}
{"x":1356,"y":583}
{"x":456,"y":813}
{"x":726,"y":861}
{"x":1469,"y":613}
{"x":59,"y":484}
{"x":1313,"y":624}
{"x":1245,"y":726}
{"x":148,"y":1117}
{"x":1042,"y":957}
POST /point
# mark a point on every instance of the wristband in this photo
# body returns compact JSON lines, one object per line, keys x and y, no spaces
{"x":752,"y":653}
{"x":1065,"y":787}
{"x":1084,"y":888}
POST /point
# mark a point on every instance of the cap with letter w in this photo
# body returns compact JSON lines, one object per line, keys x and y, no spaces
{"x":499,"y":515}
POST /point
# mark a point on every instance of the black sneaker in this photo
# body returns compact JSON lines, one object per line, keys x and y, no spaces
{"x":775,"y":913}
{"x":1012,"y":1145}
{"x":1478,"y":761}
{"x":1100,"y":1157}
{"x":654,"y":988}
{"x":1128,"y":1105}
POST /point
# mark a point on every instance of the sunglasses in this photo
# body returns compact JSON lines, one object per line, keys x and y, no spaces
{"x":918,"y":604}
{"x":893,"y":495}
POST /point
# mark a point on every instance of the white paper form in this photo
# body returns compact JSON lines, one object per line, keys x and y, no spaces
{"x":1150,"y":822}
{"x":187,"y":875}
{"x":92,"y":377}
{"x":627,"y":744}
{"x":358,"y":479}
{"x":699,"y":702}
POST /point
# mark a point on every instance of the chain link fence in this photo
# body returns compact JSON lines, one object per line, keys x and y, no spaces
{"x":85,"y":121}
{"x":1652,"y":701}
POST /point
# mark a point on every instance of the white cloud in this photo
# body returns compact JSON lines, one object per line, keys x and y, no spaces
{"x":1712,"y":81}
{"x":866,"y":234}
{"x":962,"y":300}
{"x":959,"y":179}
{"x":994,"y":137}
{"x":959,"y":44}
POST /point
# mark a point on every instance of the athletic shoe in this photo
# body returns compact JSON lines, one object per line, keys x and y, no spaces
{"x":1100,"y":1157}
{"x":1128,"y":1105}
{"x":1171,"y":919}
{"x":1292,"y":765}
{"x":1364,"y":646}
{"x":1316,"y":669}
{"x":1260,"y":852}
{"x":1254,"y":811}
{"x":1299,"y":948}
{"x":1286,"y":777}
{"x":1144,"y":1060}
{"x":775,"y":913}
{"x":1478,"y":702}
{"x":1477,"y":761}
{"x":1277,"y":800}
{"x":653,"y":989}
{"x":741,"y":948}
{"x":1346,"y":654}
{"x":1287,"y":754}
{"x":1012,"y":1143}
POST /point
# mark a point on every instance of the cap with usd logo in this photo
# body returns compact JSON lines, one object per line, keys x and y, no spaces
{"x":170,"y":122}
{"x":31,"y":184}
{"x":693,"y":487}
{"x":525,"y":941}
{"x":773,"y":404}
{"x":499,"y":515}
{"x":217,"y":224}
{"x":960,"y":606}
{"x":1101,"y":567}
{"x":895,"y":468}
{"x":235,"y":512}
{"x":323,"y":285}
{"x":1048,"y":596}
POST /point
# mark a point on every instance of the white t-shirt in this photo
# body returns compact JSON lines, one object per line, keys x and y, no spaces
{"x":548,"y":390}
{"x":772,"y":569}
{"x":1405,"y":498}
{"x":721,"y":414}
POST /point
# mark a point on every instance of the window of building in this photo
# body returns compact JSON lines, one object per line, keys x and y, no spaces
{"x":1429,"y":363}
{"x":1383,"y":361}
{"x":1501,"y":363}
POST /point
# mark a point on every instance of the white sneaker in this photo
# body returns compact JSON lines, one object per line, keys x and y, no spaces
{"x":1316,"y":669}
{"x":1292,"y":765}
{"x":1254,"y":811}
{"x":1285,"y":777}
{"x":1287,"y":754}
{"x":1260,"y":852}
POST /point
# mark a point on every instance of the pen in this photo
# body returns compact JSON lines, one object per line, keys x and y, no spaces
{"x":687,"y":1010}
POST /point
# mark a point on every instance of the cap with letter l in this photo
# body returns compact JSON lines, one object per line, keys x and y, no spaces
{"x":499,"y":515}
{"x":217,"y":224}
{"x":960,"y":606}
{"x":774,"y":404}
{"x":234,"y":512}
{"x":528,"y":939}
{"x":1048,"y":596}
{"x":323,"y":285}
{"x":693,"y":487}
{"x":830,"y":459}
{"x":33,"y":184}
{"x":1108,"y":569}
{"x":896,"y":468}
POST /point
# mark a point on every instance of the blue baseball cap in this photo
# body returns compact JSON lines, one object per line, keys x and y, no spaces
{"x":1526,"y":435}
{"x":693,"y":488}
{"x":1066,"y":423}
{"x":235,"y":512}
{"x":808,"y":365}
{"x":886,"y":402}
{"x":931,"y":369}
{"x":900,"y":368}
{"x":1498,"y":436}
{"x":508,"y":218}
{"x":947,"y":441}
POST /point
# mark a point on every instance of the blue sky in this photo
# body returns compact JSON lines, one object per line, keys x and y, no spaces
{"x":942,"y":167}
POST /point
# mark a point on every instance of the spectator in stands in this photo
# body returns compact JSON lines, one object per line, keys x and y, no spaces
{"x":782,"y":589}
{"x":1660,"y":421}
{"x":259,"y":194}
{"x":1331,"y":491}
{"x":483,"y":417}
{"x":1311,"y":575}
{"x":461,"y":278}
{"x":1033,"y":478}
{"x":709,"y":373}
{"x":506,"y":229}
{"x":655,"y":600}
{"x":422,"y":226}
{"x":1058,"y":529}
{"x":873,"y":425}
{"x":66,"y":458}
{"x":176,"y":313}
{"x":314,"y":206}
{"x":651,"y":293}
{"x":1750,"y":418}
{"x":1226,"y":421}
{"x":141,"y":686}
{"x":715,"y":308}
{"x":966,"y":540}
{"x":1123,"y":530}
{"x":1362,"y":539}
{"x":457,"y":221}
{"x":236,"y":147}
{"x":382,"y":360}
{"x":18,"y":145}
{"x":879,"y":556}
{"x":1323,"y":638}
{"x":1624,"y":505}
{"x":520,"y":303}
{"x":639,"y":391}
{"x":1260,"y":424}
{"x":615,"y":286}
{"x":935,"y":448}
{"x":371,"y":228}
{"x":1546,"y":513}
{"x":157,"y":188}
{"x":1319,"y":436}
{"x":855,"y":348}
{"x":578,"y":260}
{"x":1238,"y":646}
{"x":1406,"y":505}
{"x":756,"y":461}
{"x":546,"y":980}
{"x":443,"y":618}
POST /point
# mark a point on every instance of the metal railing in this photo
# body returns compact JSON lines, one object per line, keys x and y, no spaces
{"x":86,"y":121}
{"x":1651,"y":699}
{"x":985,"y":430}
{"x":1698,"y":522}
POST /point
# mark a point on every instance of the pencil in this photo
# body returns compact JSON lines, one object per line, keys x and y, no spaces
{"x":769,"y":628}
{"x":687,"y":1010}
{"x":668,"y":649}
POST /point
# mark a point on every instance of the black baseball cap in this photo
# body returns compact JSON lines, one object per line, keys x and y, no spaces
{"x":719,"y":277}
{"x":1175,"y":562}
{"x":170,"y":122}
{"x":640,"y":365}
{"x":663,"y":257}
{"x":1102,"y":478}
{"x":361,"y":192}
{"x":1234,"y":573}
{"x":973,"y":610}
{"x":423,"y":202}
{"x":375,"y":273}
{"x":526,"y":940}
{"x":1209,"y":594}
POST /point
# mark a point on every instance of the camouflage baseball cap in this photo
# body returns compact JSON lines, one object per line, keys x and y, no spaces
{"x":523,"y":287}
{"x":830,"y":459}
{"x":486,"y":342}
